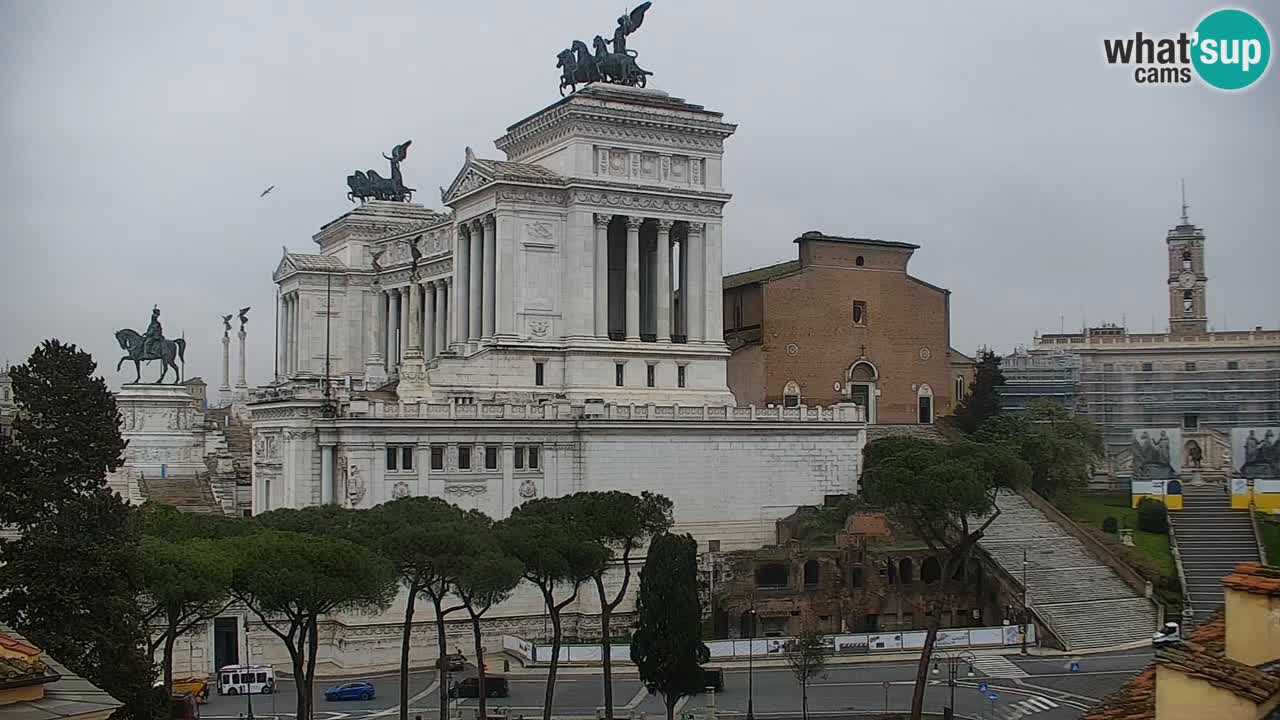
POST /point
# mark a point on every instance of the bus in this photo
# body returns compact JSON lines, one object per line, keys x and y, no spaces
{"x":246,"y":680}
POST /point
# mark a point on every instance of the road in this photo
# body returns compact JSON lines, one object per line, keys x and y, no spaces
{"x":1025,"y":687}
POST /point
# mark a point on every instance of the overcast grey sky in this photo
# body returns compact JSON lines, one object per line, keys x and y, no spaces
{"x":1039,"y":181}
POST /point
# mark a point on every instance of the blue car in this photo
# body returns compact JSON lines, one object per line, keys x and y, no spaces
{"x":359,"y":690}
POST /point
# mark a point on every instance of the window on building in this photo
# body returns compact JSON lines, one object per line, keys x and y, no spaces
{"x":959,"y":388}
{"x":464,"y":457}
{"x":859,"y":313}
{"x":1189,"y":366}
{"x":617,"y":373}
{"x":1146,"y":367}
{"x":535,"y":453}
{"x":437,"y":457}
{"x":811,"y":573}
{"x":858,"y":261}
{"x":713,"y":546}
{"x":464,"y":401}
{"x":1233,"y":365}
{"x":1190,"y":422}
{"x":1188,"y":301}
{"x":737,"y":310}
{"x":680,"y":376}
{"x":539,"y":369}
{"x":906,"y":573}
{"x":400,"y":458}
{"x":1186,"y":259}
{"x":791,"y":394}
{"x":855,"y":578}
{"x":650,"y":374}
{"x":772,"y":576}
{"x":490,"y":457}
{"x":931,"y":570}
{"x":526,"y":457}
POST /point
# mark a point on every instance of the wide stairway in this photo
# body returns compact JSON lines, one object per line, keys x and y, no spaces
{"x":1080,"y":598}
{"x":187,"y":494}
{"x":1212,"y":540}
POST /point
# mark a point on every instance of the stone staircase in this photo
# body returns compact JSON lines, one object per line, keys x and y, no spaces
{"x":1079,"y":597}
{"x":1212,"y":539}
{"x":187,"y":494}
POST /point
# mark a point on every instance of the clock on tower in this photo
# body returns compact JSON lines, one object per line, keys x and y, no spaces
{"x":1188,"y":309}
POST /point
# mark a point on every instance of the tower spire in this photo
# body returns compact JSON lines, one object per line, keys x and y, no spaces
{"x":1185,"y":221}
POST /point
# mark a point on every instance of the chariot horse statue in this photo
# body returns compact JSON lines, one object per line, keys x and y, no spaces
{"x":151,"y":345}
{"x":579,"y":67}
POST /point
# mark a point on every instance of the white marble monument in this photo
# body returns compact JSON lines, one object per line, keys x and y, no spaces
{"x":559,"y":329}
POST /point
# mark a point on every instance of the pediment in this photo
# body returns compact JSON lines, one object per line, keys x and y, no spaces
{"x":469,"y":178}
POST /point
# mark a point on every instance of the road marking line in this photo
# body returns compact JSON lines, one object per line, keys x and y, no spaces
{"x":640,"y":695}
{"x":435,"y":684}
{"x":680,"y":705}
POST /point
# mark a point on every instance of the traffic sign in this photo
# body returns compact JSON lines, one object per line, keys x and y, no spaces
{"x":992,"y":697}
{"x":983,"y":686}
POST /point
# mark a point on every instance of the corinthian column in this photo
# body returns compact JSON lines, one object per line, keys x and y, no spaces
{"x":633,"y":277}
{"x":602,"y":276}
{"x":429,"y":321}
{"x":490,"y":275}
{"x":475,"y":309}
{"x":462,"y":285}
{"x":695,"y":318}
{"x":241,"y":383}
{"x":662,"y":289}
{"x":415,"y":309}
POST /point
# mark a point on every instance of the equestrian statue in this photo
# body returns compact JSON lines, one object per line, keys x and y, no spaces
{"x":369,"y":185}
{"x":152,"y":345}
{"x":618,"y":66}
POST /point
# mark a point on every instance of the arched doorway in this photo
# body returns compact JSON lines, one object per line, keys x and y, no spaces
{"x":861,"y":380}
{"x":924,"y":404}
{"x":791,"y":394}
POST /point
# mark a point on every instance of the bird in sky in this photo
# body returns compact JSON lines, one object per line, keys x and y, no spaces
{"x":268,"y":190}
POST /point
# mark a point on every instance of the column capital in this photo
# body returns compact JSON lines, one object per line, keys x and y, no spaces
{"x":490,"y":222}
{"x":694,"y":228}
{"x":634,"y":221}
{"x":602,"y":221}
{"x":463,"y":228}
{"x":665,"y":225}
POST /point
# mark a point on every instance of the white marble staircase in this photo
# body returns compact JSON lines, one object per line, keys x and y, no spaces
{"x":1078,"y":596}
{"x":1212,"y":539}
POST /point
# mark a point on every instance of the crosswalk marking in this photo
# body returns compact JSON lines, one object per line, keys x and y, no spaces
{"x":998,"y":666}
{"x":1023,"y":708}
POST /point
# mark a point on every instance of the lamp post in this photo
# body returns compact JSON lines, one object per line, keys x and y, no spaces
{"x":953,"y":661}
{"x":1025,"y":612}
{"x":751,"y":654}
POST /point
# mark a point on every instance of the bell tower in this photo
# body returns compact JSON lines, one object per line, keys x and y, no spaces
{"x":1188,"y":285}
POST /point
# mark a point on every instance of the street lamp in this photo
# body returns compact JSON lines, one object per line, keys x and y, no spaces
{"x":1025,"y":613}
{"x":751,"y":653}
{"x":953,"y":661}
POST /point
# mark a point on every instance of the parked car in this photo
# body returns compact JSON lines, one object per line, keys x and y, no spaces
{"x":359,"y":690}
{"x":455,"y":662}
{"x":495,"y":686}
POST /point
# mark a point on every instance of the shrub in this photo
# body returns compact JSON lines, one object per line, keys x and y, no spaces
{"x":1153,"y":516}
{"x":1110,"y":524}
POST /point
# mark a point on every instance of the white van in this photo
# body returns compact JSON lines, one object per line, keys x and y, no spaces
{"x":246,"y":680}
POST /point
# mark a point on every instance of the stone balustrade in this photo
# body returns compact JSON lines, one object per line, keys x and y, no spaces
{"x":599,"y":411}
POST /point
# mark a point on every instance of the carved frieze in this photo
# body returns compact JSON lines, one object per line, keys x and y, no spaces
{"x":400,"y":490}
{"x":636,"y":201}
{"x":533,"y":195}
{"x":472,"y":489}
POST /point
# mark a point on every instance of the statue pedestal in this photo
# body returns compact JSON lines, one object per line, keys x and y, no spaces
{"x":413,"y":385}
{"x":161,"y":423}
